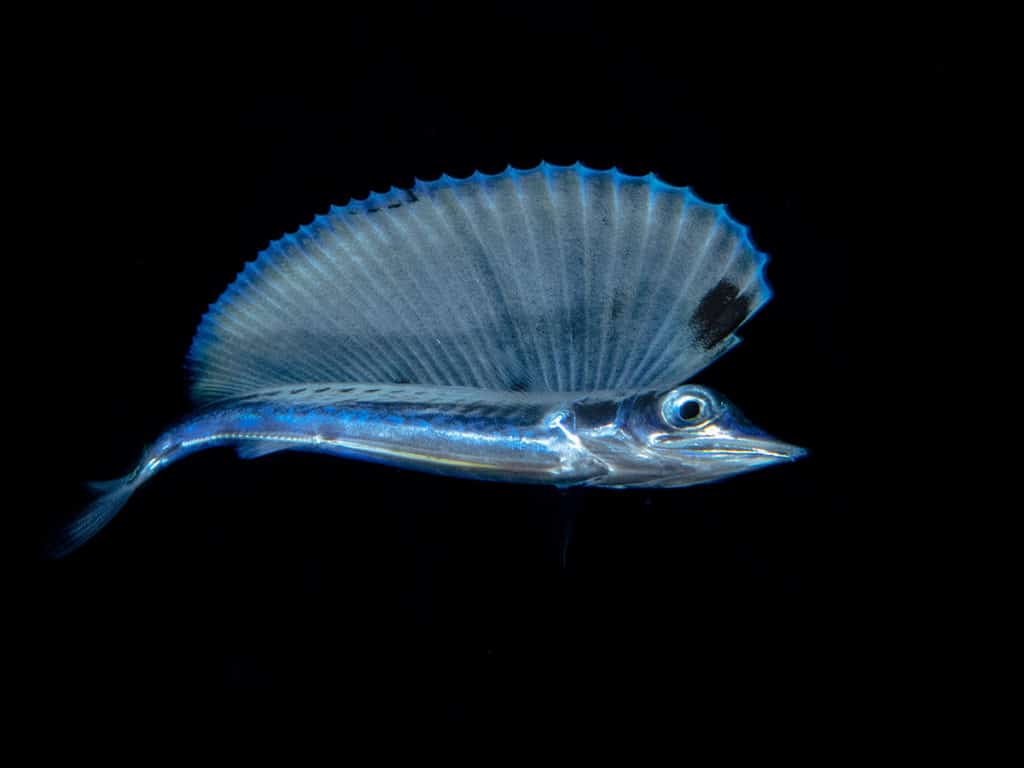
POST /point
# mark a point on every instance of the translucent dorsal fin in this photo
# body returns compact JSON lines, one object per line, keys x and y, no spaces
{"x":555,"y":278}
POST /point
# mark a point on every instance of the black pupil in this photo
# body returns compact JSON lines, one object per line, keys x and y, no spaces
{"x":689,"y":410}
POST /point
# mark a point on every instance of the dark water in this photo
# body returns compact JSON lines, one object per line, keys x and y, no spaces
{"x":396,"y":597}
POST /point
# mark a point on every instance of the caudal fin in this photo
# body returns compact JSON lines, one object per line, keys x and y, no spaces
{"x":114,"y":494}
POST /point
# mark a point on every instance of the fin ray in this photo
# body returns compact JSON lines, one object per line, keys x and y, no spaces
{"x":255,"y":449}
{"x":113,"y":494}
{"x":558,"y":279}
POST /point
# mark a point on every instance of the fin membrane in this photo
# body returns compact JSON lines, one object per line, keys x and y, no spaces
{"x":113,"y":495}
{"x":254,"y":449}
{"x":558,"y":279}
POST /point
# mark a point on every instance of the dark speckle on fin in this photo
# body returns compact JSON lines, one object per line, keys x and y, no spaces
{"x":720,"y":313}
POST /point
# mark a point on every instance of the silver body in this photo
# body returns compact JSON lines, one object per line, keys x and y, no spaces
{"x":614,"y":441}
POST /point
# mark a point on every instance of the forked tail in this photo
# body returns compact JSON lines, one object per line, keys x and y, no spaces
{"x":112,"y":496}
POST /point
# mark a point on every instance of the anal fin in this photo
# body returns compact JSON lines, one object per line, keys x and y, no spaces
{"x":254,"y":449}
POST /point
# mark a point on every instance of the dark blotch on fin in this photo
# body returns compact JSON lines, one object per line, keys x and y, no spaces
{"x":518,"y":386}
{"x":297,"y":391}
{"x":322,"y":389}
{"x":720,"y":313}
{"x":618,"y":304}
{"x":411,"y":196}
{"x":394,"y":205}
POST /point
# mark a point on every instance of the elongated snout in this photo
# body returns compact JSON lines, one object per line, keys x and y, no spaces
{"x":755,"y":447}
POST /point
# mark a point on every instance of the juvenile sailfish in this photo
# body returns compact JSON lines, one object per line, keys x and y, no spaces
{"x":531,"y":326}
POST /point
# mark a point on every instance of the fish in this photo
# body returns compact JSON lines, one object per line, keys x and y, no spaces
{"x":537,"y":325}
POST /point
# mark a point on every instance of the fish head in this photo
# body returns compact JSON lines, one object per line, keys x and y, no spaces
{"x":688,"y":435}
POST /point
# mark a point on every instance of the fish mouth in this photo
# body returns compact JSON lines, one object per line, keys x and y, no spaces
{"x":758,"y":448}
{"x":742,"y":448}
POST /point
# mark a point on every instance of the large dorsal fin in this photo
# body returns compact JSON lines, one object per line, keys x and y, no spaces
{"x":550,"y":279}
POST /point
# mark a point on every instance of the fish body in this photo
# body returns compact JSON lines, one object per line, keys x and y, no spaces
{"x":533,"y":326}
{"x":480,"y":435}
{"x":611,"y":439}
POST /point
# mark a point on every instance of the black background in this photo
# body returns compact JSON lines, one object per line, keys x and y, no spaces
{"x":392,"y":596}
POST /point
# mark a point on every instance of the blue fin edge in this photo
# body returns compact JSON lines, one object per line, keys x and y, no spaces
{"x":377,"y":200}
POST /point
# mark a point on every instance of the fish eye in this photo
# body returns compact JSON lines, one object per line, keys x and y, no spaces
{"x":686,"y":409}
{"x":690,"y":410}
